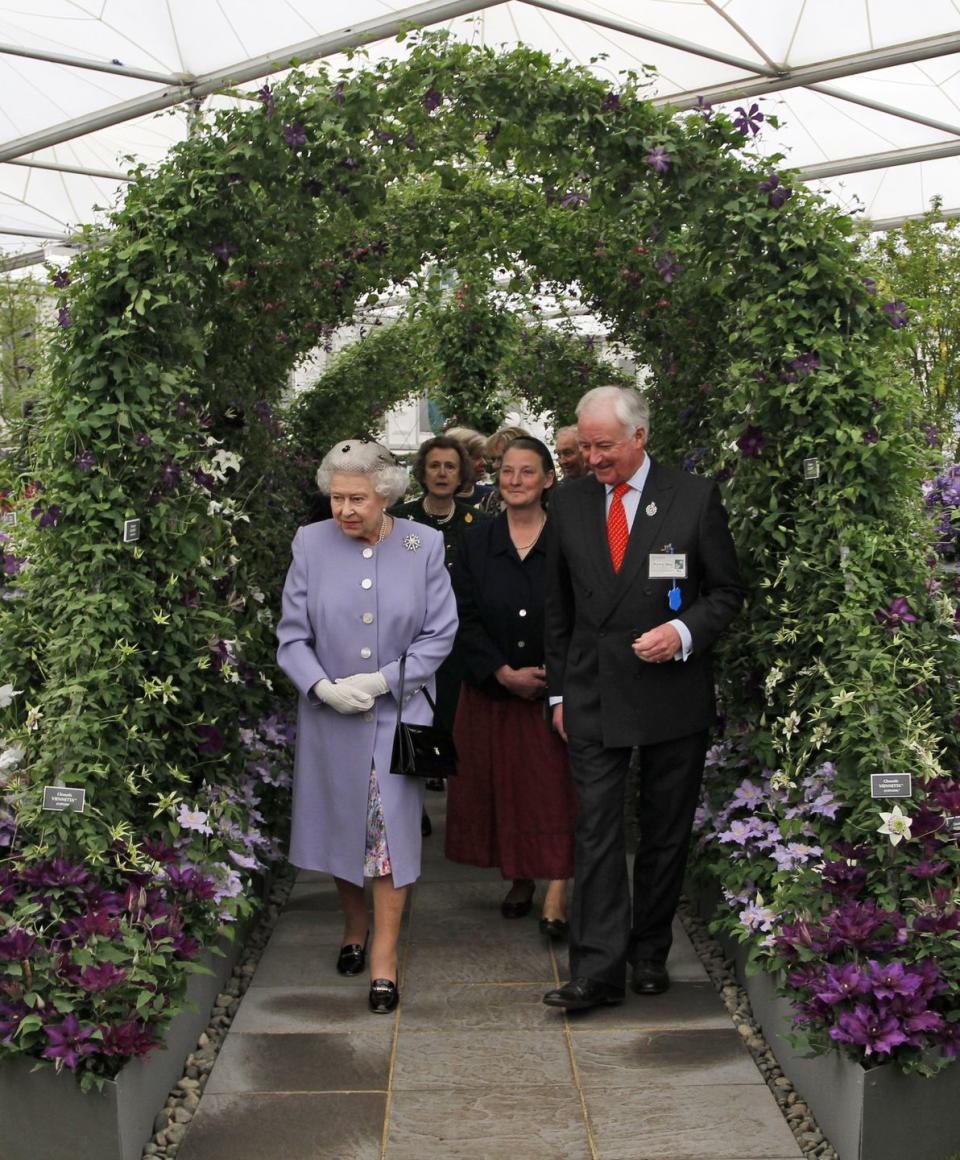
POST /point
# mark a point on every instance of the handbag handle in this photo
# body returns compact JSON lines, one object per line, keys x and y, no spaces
{"x":426,"y":691}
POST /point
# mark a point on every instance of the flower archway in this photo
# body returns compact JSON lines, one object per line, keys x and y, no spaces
{"x":141,"y":664}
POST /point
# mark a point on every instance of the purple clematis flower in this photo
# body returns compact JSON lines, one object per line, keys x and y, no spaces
{"x":63,"y":317}
{"x":610,"y":103}
{"x":865,"y":1027}
{"x":266,"y":96}
{"x":222,"y":251}
{"x":13,"y":564}
{"x":432,"y":99}
{"x":61,"y":279}
{"x":49,"y":518}
{"x":295,"y":135}
{"x":752,"y":442}
{"x":68,"y":1042}
{"x":659,"y":159}
{"x":897,"y":314}
{"x":925,"y":870}
{"x":871,"y":435}
{"x":890,"y":979}
{"x":128,"y":1039}
{"x":86,"y":461}
{"x":749,"y":121}
{"x":897,"y":614}
{"x":840,"y":983}
{"x":210,"y":739}
{"x":668,"y":267}
{"x":776,"y":193}
{"x":99,"y":978}
{"x":870,"y":285}
{"x":16,"y":945}
{"x":143,"y":439}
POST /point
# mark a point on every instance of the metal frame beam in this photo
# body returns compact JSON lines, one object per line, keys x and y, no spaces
{"x":750,"y":66}
{"x":366,"y":32}
{"x":826,"y":70}
{"x":21,"y":261}
{"x":28,"y":233}
{"x":57,"y":167}
{"x":879,"y":160}
{"x":119,"y":70}
{"x":895,"y":223}
{"x":881,"y":107}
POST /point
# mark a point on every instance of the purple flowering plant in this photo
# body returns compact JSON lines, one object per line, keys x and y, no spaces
{"x":94,"y":958}
{"x":865,"y":933}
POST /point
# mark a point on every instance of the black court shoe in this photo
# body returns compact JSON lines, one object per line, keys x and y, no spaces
{"x":384,"y":996}
{"x":352,"y":958}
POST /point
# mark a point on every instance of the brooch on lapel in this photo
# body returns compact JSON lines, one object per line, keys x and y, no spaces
{"x":651,"y":509}
{"x":411,"y":543}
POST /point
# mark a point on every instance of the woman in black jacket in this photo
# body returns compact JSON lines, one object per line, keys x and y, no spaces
{"x":512,"y":805}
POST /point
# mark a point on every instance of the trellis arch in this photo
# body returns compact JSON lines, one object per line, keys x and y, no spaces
{"x":766,"y":345}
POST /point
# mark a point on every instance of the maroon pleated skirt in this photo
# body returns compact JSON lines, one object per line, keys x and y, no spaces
{"x":512,"y":804}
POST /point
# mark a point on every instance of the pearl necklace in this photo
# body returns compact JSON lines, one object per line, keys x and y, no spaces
{"x":440,"y":519}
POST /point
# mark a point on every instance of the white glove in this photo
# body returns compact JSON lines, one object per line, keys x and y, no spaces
{"x":343,"y":697}
{"x":372,"y":683}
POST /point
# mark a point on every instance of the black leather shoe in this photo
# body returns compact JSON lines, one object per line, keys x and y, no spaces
{"x":518,"y":908}
{"x":579,"y":994}
{"x":384,"y":996}
{"x":352,"y":959}
{"x":554,"y":928}
{"x":426,"y":826}
{"x":649,"y":978}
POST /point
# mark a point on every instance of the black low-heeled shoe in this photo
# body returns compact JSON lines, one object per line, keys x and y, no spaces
{"x":384,"y":996}
{"x":518,"y":908}
{"x":352,"y":958}
{"x":554,"y":928}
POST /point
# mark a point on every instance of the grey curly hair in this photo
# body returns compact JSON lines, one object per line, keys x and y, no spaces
{"x":360,"y":457}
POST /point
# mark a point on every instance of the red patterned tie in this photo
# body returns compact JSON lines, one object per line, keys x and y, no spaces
{"x":617,"y":531}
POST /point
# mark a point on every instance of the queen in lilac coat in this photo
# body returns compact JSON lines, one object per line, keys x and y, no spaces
{"x":361,"y":591}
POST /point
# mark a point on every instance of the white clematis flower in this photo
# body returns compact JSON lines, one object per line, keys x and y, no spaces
{"x":7,"y":693}
{"x":896,"y":824}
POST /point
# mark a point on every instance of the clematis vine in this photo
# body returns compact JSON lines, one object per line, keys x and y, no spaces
{"x":668,"y":267}
{"x":897,"y":614}
{"x":752,"y":442}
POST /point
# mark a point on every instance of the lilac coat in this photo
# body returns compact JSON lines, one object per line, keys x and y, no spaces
{"x":349,"y":607}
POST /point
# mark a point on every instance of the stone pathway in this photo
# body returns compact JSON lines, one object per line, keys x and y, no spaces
{"x":472,"y":1066}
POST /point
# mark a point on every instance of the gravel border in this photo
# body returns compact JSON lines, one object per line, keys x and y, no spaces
{"x":720,"y":969}
{"x":173,"y":1119}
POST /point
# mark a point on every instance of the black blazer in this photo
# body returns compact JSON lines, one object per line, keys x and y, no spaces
{"x":593,"y":614}
{"x":500,"y":602}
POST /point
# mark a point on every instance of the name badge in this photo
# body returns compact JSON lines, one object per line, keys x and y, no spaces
{"x":668,"y":565}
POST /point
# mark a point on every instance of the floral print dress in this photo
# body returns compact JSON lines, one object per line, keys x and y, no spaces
{"x":376,"y":861}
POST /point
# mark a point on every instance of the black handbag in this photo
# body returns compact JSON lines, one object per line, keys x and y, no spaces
{"x":421,"y":750}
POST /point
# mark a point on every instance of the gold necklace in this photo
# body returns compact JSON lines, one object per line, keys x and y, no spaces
{"x":526,"y":547}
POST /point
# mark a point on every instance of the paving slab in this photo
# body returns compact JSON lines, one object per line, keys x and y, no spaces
{"x":619,"y":1059}
{"x":325,"y":1062}
{"x":335,"y":1007}
{"x":294,"y":1127}
{"x":479,"y":1059}
{"x":686,"y":1006}
{"x":707,"y":1122}
{"x":482,"y":1006}
{"x":488,"y":1124}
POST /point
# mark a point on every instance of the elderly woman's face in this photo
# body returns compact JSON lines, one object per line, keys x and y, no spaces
{"x":357,"y":509}
{"x":441,"y":472}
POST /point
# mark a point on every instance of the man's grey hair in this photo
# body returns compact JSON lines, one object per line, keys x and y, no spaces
{"x":629,"y":406}
{"x":359,"y":457}
{"x":561,"y":431}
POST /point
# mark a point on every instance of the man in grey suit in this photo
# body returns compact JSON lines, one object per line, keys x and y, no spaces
{"x":642,"y":579}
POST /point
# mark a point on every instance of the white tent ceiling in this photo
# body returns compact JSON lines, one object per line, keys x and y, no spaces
{"x":867,"y":92}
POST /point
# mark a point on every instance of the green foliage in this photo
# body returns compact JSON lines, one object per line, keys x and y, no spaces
{"x":22,"y":302}
{"x":920,"y":264}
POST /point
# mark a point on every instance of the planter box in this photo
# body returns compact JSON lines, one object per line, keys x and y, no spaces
{"x":867,"y":1114}
{"x":45,"y":1116}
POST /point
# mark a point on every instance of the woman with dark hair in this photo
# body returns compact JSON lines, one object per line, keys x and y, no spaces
{"x":513,"y":804}
{"x":442,"y":467}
